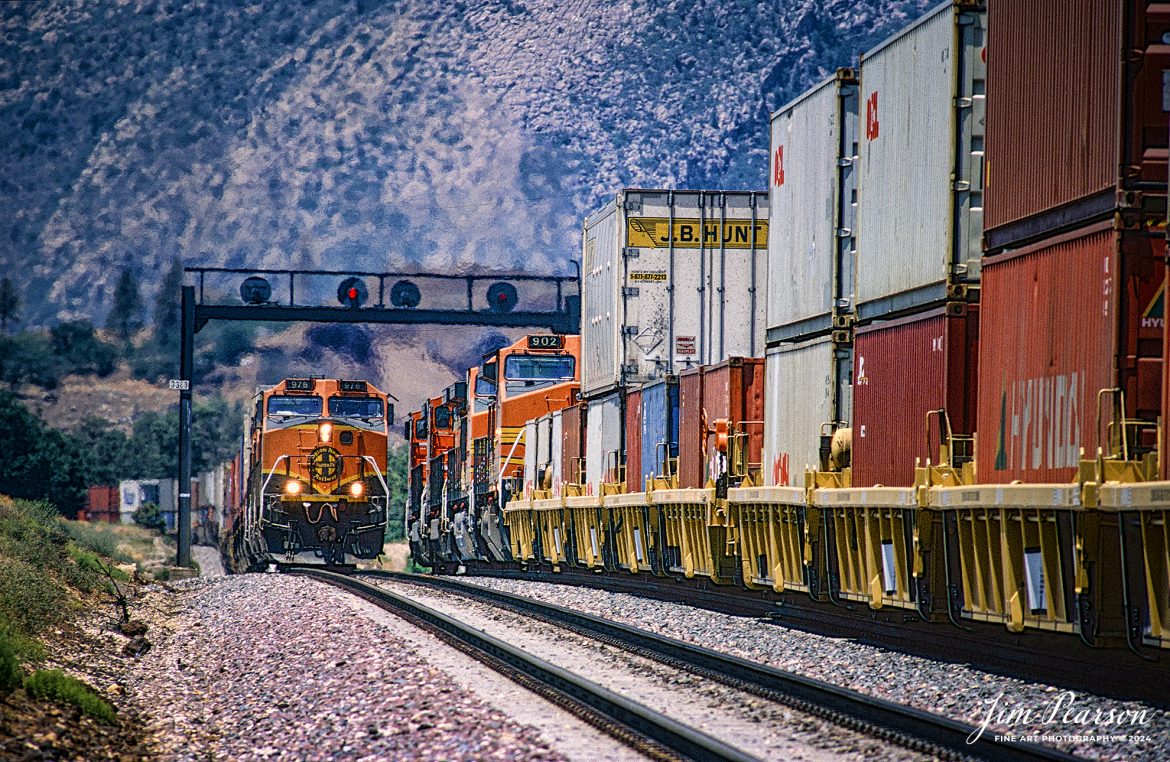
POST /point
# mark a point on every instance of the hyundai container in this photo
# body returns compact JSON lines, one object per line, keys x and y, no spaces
{"x":1077,"y":96}
{"x":659,"y":430}
{"x":671,"y":280}
{"x":812,"y":201}
{"x":920,"y":163}
{"x":1065,"y":320}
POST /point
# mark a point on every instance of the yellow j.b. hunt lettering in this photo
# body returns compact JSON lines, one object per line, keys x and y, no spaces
{"x":658,"y":233}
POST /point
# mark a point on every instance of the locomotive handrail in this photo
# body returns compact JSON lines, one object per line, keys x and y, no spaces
{"x":507,"y":460}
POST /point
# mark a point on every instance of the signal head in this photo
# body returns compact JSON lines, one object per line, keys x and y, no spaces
{"x":352,"y":292}
{"x":405,"y":294}
{"x":502,"y":297}
{"x":255,"y":290}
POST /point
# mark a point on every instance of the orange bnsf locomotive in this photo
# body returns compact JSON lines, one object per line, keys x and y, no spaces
{"x":316,"y":461}
{"x":468,"y":447}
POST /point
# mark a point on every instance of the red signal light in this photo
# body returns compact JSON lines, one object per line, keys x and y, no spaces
{"x":352,"y":293}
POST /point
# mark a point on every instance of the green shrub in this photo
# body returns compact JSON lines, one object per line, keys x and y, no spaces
{"x":55,"y":685}
{"x":10,"y":675}
{"x":30,"y":600}
{"x":96,"y":537}
{"x":148,"y":515}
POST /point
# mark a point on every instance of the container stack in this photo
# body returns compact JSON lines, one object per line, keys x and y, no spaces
{"x":1076,"y":208}
{"x":671,"y":280}
{"x":811,"y":251}
{"x":919,"y":225}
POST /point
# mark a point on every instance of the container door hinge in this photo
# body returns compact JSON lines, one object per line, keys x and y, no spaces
{"x":632,"y":206}
{"x":630,"y":369}
{"x":631,"y":330}
{"x":629,"y":290}
{"x":630,"y":252}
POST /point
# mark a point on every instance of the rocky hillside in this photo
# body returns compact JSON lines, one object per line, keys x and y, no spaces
{"x":362,"y":134}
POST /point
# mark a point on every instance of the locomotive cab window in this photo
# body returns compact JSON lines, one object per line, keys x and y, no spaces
{"x":527,"y":371}
{"x":442,"y":417}
{"x":280,"y":406}
{"x":365,"y":408}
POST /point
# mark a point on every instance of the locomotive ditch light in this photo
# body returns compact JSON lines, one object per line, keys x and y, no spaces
{"x":356,"y":489}
{"x":502,"y":297}
{"x":352,"y":292}
{"x":255,"y":290}
{"x":325,"y":432}
{"x":292,"y":487}
{"x":405,"y":294}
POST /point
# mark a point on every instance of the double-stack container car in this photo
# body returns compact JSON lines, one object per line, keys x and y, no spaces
{"x":955,"y":416}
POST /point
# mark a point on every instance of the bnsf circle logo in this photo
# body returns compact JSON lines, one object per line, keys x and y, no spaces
{"x":325,"y":464}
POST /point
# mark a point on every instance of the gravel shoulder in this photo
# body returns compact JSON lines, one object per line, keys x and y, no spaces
{"x":1086,"y":725}
{"x":268,"y":666}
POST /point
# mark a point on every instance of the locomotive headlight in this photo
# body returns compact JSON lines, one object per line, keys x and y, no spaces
{"x":356,"y":489}
{"x":325,"y":432}
{"x":292,"y":487}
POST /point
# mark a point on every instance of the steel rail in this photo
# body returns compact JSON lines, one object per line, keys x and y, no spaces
{"x":907,"y":726}
{"x":631,"y":723}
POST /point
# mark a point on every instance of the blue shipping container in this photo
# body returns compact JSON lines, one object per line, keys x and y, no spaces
{"x":659,"y":427}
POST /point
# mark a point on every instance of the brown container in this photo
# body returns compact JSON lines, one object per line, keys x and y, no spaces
{"x":692,"y":438}
{"x":902,"y":370}
{"x":1074,"y":92}
{"x":572,"y":443}
{"x":103,"y":503}
{"x":1062,"y":320}
{"x":734,"y":390}
{"x":633,"y":443}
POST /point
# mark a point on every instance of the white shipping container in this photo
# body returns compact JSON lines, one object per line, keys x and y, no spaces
{"x":558,"y":445}
{"x":812,"y":200}
{"x":543,"y":448}
{"x":809,"y":388}
{"x":659,"y":296}
{"x":920,"y":172}
{"x":603,"y":441}
{"x":530,"y":452}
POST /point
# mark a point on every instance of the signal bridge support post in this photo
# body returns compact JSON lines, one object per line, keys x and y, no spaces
{"x":186,"y":371}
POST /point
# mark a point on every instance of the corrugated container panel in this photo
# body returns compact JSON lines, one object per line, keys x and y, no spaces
{"x":603,"y":441}
{"x":734,"y":390}
{"x":692,"y":438}
{"x":920,"y":169}
{"x":1057,"y":136}
{"x":659,"y":427}
{"x":659,"y":296}
{"x":903,"y":369}
{"x":558,"y":453}
{"x":1062,"y":320}
{"x":543,"y":448}
{"x":811,"y":200}
{"x":809,"y":388}
{"x":572,"y":449}
{"x":530,"y":463}
{"x":633,"y":443}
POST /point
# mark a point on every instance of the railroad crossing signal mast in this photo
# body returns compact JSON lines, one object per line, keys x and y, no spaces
{"x":559,"y":311}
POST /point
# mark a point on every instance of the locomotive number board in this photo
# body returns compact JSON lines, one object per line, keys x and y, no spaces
{"x":546,"y":342}
{"x":299,"y":385}
{"x":352,"y":386}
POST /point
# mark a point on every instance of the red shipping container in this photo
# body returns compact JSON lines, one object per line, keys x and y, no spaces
{"x":572,"y":443}
{"x":103,"y":503}
{"x":633,"y":443}
{"x":902,"y":370}
{"x":1062,"y":320}
{"x":1074,"y":91}
{"x":692,"y":438}
{"x":734,"y":390}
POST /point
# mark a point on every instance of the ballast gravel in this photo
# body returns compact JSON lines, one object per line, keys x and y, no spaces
{"x":266,"y":666}
{"x":1093,"y":727}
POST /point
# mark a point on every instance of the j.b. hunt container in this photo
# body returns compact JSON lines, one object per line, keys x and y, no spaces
{"x":920,"y":175}
{"x":1077,"y":96}
{"x":812,"y":201}
{"x":671,"y":280}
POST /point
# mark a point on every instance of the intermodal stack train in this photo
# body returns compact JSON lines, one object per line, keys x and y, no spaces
{"x":924,"y":372}
{"x":315,"y":455}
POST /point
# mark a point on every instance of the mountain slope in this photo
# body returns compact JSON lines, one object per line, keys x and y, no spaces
{"x":367,"y":135}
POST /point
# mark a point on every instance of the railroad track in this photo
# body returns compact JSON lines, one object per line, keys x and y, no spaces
{"x":1049,"y":658}
{"x":651,"y":733}
{"x":908,"y":727}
